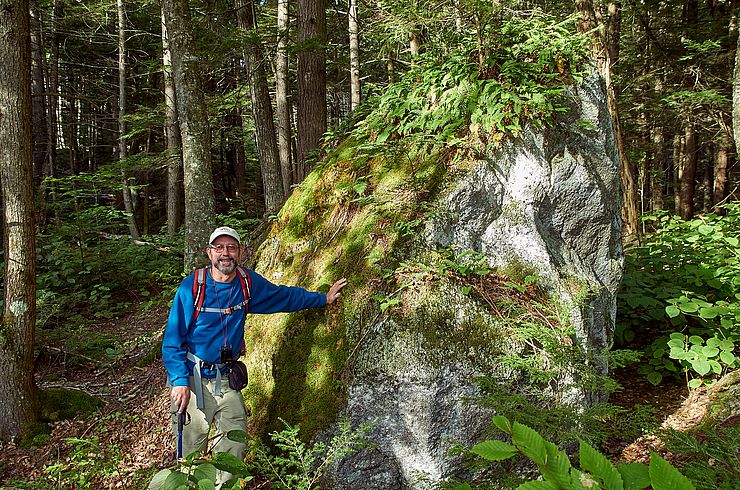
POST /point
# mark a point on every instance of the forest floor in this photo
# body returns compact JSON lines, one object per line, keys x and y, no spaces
{"x":124,"y":442}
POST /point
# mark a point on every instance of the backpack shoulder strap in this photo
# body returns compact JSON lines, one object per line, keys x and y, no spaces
{"x":246,"y":283}
{"x":199,"y":291}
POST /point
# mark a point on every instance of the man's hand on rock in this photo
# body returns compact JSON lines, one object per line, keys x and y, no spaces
{"x":335,"y":291}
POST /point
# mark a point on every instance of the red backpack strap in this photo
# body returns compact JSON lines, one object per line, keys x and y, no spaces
{"x":199,"y":291}
{"x":246,"y":284}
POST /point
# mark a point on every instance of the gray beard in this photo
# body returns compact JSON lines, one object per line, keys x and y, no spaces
{"x":226,"y":269}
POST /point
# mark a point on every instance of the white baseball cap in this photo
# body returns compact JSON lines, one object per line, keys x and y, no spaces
{"x":225,"y":230}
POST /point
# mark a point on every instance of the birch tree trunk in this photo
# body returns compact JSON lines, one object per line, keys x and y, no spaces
{"x":311,"y":119}
{"x":264,"y":125}
{"x":194,"y":130}
{"x":17,"y":391}
{"x":354,"y":55}
{"x":282,"y":99}
{"x":172,"y":134}
{"x":128,"y":202}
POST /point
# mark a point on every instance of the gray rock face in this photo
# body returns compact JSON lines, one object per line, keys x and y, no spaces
{"x":548,"y":201}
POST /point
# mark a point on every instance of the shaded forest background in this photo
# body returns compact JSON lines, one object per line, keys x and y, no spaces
{"x":151,"y":123}
{"x":100,"y":97}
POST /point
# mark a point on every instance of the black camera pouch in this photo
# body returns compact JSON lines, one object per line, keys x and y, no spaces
{"x":238,"y":377}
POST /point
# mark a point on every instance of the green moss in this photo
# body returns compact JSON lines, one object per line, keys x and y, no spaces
{"x":61,"y":404}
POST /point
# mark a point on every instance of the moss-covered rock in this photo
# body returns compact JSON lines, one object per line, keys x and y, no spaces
{"x":417,"y":322}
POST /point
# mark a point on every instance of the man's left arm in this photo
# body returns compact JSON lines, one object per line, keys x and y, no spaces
{"x":270,"y":298}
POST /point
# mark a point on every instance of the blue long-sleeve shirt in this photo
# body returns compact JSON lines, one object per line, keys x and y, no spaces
{"x":212,"y":330}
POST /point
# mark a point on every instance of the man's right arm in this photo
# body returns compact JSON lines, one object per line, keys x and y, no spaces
{"x":174,"y":351}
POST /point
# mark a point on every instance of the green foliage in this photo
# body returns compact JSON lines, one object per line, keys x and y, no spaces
{"x":294,"y":465}
{"x":594,"y":470}
{"x":298,"y":466}
{"x":447,"y":95}
{"x":685,"y":277}
{"x":88,"y":464}
{"x":710,"y":457}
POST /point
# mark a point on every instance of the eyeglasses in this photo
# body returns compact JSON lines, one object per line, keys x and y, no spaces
{"x":220,"y":248}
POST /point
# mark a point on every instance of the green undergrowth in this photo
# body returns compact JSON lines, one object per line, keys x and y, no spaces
{"x":681,"y":293}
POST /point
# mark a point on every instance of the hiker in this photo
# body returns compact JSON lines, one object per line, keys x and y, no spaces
{"x":204,"y":339}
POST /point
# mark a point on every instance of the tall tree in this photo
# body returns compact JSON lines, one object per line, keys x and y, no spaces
{"x":17,"y":391}
{"x":282,"y":100}
{"x":354,"y":55}
{"x":128,"y":201}
{"x":603,"y":47}
{"x":38,"y":94}
{"x":264,"y":124}
{"x":194,"y":129}
{"x":172,"y":136}
{"x":311,"y":119}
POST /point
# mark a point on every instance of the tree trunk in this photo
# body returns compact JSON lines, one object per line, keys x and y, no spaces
{"x":679,"y":158}
{"x":38,"y":88}
{"x":628,"y":174}
{"x":720,"y":170}
{"x":264,"y":125}
{"x":194,"y":130}
{"x":688,"y":176}
{"x":53,"y":89}
{"x":657,"y":170}
{"x":736,"y":98}
{"x":311,"y":119}
{"x":281,"y":97}
{"x":354,"y":55}
{"x":128,"y":202}
{"x":172,"y":134}
{"x":17,"y":391}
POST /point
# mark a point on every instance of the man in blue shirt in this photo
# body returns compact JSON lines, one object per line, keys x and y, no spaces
{"x":196,"y":354}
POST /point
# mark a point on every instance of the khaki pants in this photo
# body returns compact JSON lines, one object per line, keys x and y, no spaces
{"x":226,"y":411}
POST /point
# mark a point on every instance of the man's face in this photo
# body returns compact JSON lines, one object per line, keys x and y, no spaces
{"x":224,"y":253}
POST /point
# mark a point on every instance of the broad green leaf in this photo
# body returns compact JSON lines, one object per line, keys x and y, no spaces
{"x":696,"y":340}
{"x":713,"y":342}
{"x":463,"y":486}
{"x":732,"y":241}
{"x":654,"y":378}
{"x":205,"y":471}
{"x":677,"y":336}
{"x":706,"y":229}
{"x":228,"y":462}
{"x":690,"y":307}
{"x":596,"y":463}
{"x":493,"y":450}
{"x":175,"y":481}
{"x":695,"y":383}
{"x":238,"y":436}
{"x":727,"y":357}
{"x":502,"y":423}
{"x":727,"y":345}
{"x":701,"y":366}
{"x":708,"y":312}
{"x":663,"y":476}
{"x":529,"y":442}
{"x":635,"y":476}
{"x":206,"y":485}
{"x":710,"y":351}
{"x":557,"y":467}
{"x":159,"y":479}
{"x":672,"y":311}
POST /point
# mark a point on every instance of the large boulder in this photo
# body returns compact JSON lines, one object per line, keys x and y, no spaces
{"x":545,"y":204}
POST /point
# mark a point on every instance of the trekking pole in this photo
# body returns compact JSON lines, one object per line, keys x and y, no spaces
{"x":180,"y":424}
